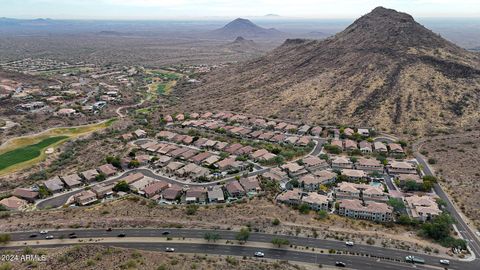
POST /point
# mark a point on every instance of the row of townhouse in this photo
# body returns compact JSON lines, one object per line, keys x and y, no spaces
{"x":368,"y":147}
{"x":347,"y":190}
{"x":296,"y":197}
{"x":373,"y":165}
{"x":369,"y":210}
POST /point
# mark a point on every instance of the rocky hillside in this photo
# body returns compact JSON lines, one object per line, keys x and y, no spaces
{"x":384,"y":70}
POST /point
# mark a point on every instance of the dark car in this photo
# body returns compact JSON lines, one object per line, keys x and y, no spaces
{"x":72,"y":236}
{"x":109,"y":229}
{"x":72,"y":233}
{"x":340,"y":264}
{"x":166,"y":233}
{"x":33,"y":235}
{"x":121,"y":235}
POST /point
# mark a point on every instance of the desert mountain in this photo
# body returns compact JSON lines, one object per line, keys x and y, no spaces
{"x":384,"y":70}
{"x":244,"y":28}
{"x":241,"y":44}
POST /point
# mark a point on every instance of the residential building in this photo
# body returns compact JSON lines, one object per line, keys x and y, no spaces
{"x":196,"y":195}
{"x":140,"y":133}
{"x":139,"y":185}
{"x":54,"y":184}
{"x":172,"y":193}
{"x":133,"y":177}
{"x":107,"y":170}
{"x":250,"y":184}
{"x":13,"y":203}
{"x":350,"y":145}
{"x":316,"y":201}
{"x":337,"y":143}
{"x":290,"y":197}
{"x":102,"y":191}
{"x":369,"y":164}
{"x":404,"y":178}
{"x":155,"y":188}
{"x":89,"y":175}
{"x":26,"y":194}
{"x":316,"y":131}
{"x":422,"y":208}
{"x":395,"y":148}
{"x":215,"y":194}
{"x":340,"y":162}
{"x":234,"y":189}
{"x":365,"y":147}
{"x":399,"y":167}
{"x":211,"y":160}
{"x":380,"y":147}
{"x":293,"y":169}
{"x":348,"y":132}
{"x":200,"y":157}
{"x":360,"y":191}
{"x":364,"y":132}
{"x":72,"y":180}
{"x":312,"y":182}
{"x":313,"y":163}
{"x":354,"y":175}
{"x":373,"y":211}
{"x":85,"y":197}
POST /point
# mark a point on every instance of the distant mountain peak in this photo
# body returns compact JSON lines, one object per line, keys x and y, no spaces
{"x":244,"y":28}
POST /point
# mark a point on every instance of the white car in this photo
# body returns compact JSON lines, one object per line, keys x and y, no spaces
{"x":349,"y":243}
{"x":43,"y":232}
{"x":445,"y":262}
{"x":169,"y":249}
{"x":259,"y":254}
{"x":49,"y":237}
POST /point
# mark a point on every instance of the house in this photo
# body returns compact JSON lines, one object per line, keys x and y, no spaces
{"x":126,"y":137}
{"x":200,"y":157}
{"x":380,"y":147}
{"x":313,"y":163}
{"x":278,"y":138}
{"x":276,"y":174}
{"x":107,"y":170}
{"x":173,"y":166}
{"x":168,"y":118}
{"x":316,"y":201}
{"x":313,"y":181}
{"x":290,"y":197}
{"x":220,"y":145}
{"x":233,"y":148}
{"x":133,"y":177}
{"x":267,"y":156}
{"x":165,"y":134}
{"x":302,"y":130}
{"x":266,"y":135}
{"x":348,"y":132}
{"x":350,"y":145}
{"x":196,"y":195}
{"x":140,"y":133}
{"x":373,"y":211}
{"x":354,"y":175}
{"x":54,"y":184}
{"x":215,"y":194}
{"x":364,"y":132}
{"x":210,"y":144}
{"x":162,"y":160}
{"x":404,"y":178}
{"x":395,"y":148}
{"x":281,"y":126}
{"x":291,"y":139}
{"x":200,"y":142}
{"x":337,"y":143}
{"x":85,"y":197}
{"x":206,"y":115}
{"x":102,"y":191}
{"x":399,"y":167}
{"x":26,"y":194}
{"x":194,"y":115}
{"x":245,"y":150}
{"x":369,"y":164}
{"x":66,"y":112}
{"x":422,"y":208}
{"x":211,"y":160}
{"x":139,"y":185}
{"x":250,"y":184}
{"x":187,"y":139}
{"x":72,"y":180}
{"x":13,"y":203}
{"x":293,"y":169}
{"x":316,"y":131}
{"x":154,"y":188}
{"x":290,"y":128}
{"x":259,"y":153}
{"x":303,"y":141}
{"x":234,"y":189}
{"x":360,"y":191}
{"x":226,"y":163}
{"x":365,"y":147}
{"x":340,"y":162}
{"x":89,"y":175}
{"x":192,"y":170}
{"x":172,"y":193}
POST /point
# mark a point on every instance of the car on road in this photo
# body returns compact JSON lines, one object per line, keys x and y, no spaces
{"x":413,"y":259}
{"x":444,"y":262}
{"x":349,"y":243}
{"x":72,"y":236}
{"x":165,"y":233}
{"x":169,"y":249}
{"x":340,"y":264}
{"x":109,"y":229}
{"x":43,"y":232}
{"x":121,"y":235}
{"x":49,"y":237}
{"x":33,"y":235}
{"x":259,"y":254}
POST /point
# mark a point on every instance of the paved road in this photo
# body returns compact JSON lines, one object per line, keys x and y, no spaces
{"x":394,"y":257}
{"x":465,"y":231}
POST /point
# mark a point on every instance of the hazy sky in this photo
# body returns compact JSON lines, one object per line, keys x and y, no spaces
{"x":158,"y":9}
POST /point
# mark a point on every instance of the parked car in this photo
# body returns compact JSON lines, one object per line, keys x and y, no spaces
{"x":49,"y":237}
{"x":259,"y":254}
{"x":169,"y":249}
{"x":340,"y":264}
{"x":349,"y":243}
{"x":444,"y":262}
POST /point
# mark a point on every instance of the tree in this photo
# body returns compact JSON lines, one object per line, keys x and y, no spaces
{"x":439,"y":228}
{"x":5,"y":238}
{"x":191,"y":209}
{"x":100,"y":177}
{"x":133,"y":164}
{"x":44,"y":192}
{"x":404,"y":220}
{"x":322,"y":214}
{"x":211,"y":236}
{"x":243,"y":235}
{"x":304,"y":208}
{"x":397,"y":204}
{"x":280,"y":241}
{"x":121,"y":186}
{"x":276,"y":222}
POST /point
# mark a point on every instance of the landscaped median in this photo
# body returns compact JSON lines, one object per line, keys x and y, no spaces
{"x":23,"y":152}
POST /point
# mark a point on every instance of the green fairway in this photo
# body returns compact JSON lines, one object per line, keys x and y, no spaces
{"x":28,"y":152}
